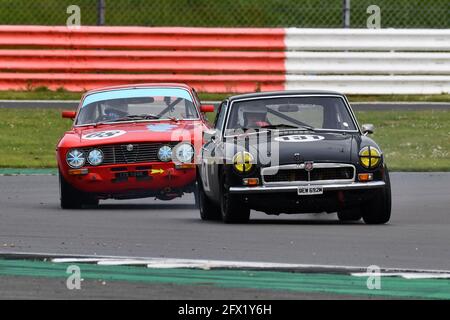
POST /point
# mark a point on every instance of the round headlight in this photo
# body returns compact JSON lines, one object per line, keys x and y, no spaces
{"x":243,"y":161}
{"x":75,"y":158}
{"x":370,"y":157}
{"x":95,"y":157}
{"x":184,"y":152}
{"x":165,"y":153}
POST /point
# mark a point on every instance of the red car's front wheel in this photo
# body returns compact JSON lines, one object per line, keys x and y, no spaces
{"x":72,"y":198}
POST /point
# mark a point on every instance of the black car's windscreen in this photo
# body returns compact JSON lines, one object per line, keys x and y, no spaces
{"x":317,"y":112}
{"x":115,"y":108}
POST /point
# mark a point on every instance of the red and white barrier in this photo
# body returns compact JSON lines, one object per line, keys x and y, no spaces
{"x":227,"y":60}
{"x":369,"y":61}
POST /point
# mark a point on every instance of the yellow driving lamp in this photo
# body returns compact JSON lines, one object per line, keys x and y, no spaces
{"x":370,"y":157}
{"x":243,"y":161}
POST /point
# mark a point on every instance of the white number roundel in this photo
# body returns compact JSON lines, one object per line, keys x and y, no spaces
{"x":103,"y":135}
{"x":300,"y":138}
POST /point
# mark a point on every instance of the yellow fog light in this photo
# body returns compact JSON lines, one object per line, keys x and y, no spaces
{"x":242,"y":161}
{"x":370,"y":157}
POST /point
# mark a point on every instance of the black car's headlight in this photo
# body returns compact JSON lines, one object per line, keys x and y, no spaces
{"x":95,"y":157}
{"x":370,"y":157}
{"x":243,"y":162}
{"x":75,"y":158}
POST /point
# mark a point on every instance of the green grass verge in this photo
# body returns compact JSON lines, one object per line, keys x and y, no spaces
{"x":40,"y":94}
{"x":400,"y":98}
{"x":44,"y":93}
{"x":411,"y":140}
{"x":28,"y":137}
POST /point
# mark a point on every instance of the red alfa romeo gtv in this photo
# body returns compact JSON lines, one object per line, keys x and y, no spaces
{"x":131,"y":142}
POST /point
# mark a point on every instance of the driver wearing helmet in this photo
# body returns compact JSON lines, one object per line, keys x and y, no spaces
{"x":116,"y":110}
{"x":113,"y":114}
{"x":253,"y":116}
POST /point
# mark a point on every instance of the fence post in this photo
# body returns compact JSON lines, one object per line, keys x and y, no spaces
{"x":101,"y":12}
{"x":346,"y":13}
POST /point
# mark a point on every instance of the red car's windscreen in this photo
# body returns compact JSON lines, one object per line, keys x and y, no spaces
{"x":136,"y":104}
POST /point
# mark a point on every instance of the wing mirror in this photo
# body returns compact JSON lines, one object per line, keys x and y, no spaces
{"x":209,"y":135}
{"x":207,"y":108}
{"x":69,"y":114}
{"x":368,"y":128}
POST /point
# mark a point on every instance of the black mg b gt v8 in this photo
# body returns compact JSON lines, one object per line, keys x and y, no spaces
{"x":291,"y":152}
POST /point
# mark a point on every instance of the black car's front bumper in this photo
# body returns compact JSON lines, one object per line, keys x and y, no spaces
{"x":294,"y":188}
{"x":286,"y":199}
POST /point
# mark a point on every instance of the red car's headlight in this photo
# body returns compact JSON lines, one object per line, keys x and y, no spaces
{"x":75,"y":158}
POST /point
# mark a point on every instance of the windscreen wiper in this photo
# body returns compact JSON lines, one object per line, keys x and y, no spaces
{"x":137,"y":117}
{"x":129,"y":118}
{"x":288,"y":126}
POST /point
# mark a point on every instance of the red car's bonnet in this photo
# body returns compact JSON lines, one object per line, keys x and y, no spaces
{"x":151,"y":131}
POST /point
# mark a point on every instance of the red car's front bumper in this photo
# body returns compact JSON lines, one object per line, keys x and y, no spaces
{"x":132,"y":180}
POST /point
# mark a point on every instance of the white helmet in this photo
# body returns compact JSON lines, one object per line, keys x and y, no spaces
{"x":257,"y":110}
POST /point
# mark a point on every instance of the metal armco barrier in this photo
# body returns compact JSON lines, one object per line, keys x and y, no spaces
{"x":218,"y":60}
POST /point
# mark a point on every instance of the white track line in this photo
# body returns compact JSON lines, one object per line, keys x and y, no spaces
{"x":168,"y":263}
{"x":406,"y":275}
{"x":163,"y":263}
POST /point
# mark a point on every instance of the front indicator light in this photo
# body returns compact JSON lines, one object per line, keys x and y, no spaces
{"x":364,"y":177}
{"x":370,"y":157}
{"x":78,"y":172}
{"x":185,"y":166}
{"x":242,"y":161}
{"x":250,"y":182}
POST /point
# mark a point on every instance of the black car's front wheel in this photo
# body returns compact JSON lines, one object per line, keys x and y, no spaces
{"x":72,"y":198}
{"x":348,"y":215}
{"x":232,"y":208}
{"x":378,"y":210}
{"x":208,"y":210}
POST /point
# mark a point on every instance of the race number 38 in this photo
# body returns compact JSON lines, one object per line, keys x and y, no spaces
{"x":104,"y":135}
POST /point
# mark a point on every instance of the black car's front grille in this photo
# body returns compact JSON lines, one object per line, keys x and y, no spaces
{"x":317,"y":174}
{"x":125,"y":154}
{"x":345,"y":173}
{"x":290,"y":175}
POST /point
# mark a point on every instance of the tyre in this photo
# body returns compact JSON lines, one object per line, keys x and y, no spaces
{"x":208,"y":210}
{"x":378,"y":211}
{"x":232,"y":208}
{"x":349,"y":215}
{"x":196,"y":200}
{"x":71,"y":198}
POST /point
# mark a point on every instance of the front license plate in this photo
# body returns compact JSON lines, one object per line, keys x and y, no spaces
{"x":308,"y":191}
{"x":136,"y":174}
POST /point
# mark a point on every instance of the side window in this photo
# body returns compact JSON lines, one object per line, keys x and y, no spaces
{"x":218,"y":123}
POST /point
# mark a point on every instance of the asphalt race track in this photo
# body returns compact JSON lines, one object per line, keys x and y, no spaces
{"x":417,"y":237}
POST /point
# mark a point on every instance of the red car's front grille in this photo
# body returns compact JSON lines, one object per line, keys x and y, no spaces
{"x":124,"y":154}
